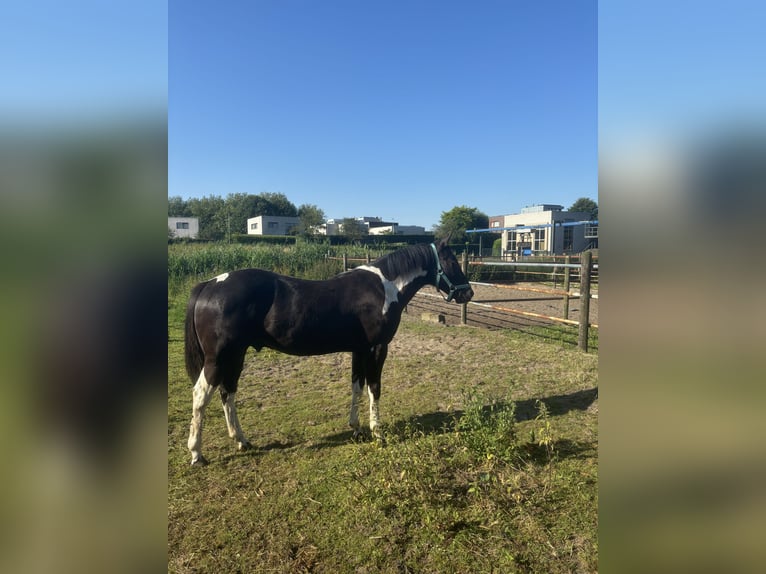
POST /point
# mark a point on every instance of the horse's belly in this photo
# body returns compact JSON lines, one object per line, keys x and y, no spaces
{"x":314,"y":347}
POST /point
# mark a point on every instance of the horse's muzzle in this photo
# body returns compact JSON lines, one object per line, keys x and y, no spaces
{"x":463,"y":295}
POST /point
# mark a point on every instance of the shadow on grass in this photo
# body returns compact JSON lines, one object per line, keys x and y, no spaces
{"x":562,"y":449}
{"x":342,"y":438}
{"x":441,"y":422}
{"x":525,"y":410}
{"x":557,"y":405}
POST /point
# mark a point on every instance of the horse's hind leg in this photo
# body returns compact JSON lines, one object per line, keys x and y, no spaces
{"x":233,"y":359}
{"x":202,"y":393}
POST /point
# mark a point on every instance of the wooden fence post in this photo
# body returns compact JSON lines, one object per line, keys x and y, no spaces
{"x":345,"y":262}
{"x":585,"y":265}
{"x":464,"y":306}
{"x":567,"y":261}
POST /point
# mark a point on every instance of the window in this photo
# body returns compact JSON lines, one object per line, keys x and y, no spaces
{"x":253,"y":226}
{"x":273,"y":224}
{"x":495,"y":224}
{"x":182,"y":225}
{"x":512,"y":242}
{"x":568,"y":238}
{"x":539,"y":236}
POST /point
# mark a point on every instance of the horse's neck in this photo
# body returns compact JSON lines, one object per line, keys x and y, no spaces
{"x":411,"y":284}
{"x":412,"y":278}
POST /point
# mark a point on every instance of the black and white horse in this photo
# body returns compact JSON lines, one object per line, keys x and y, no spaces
{"x":357,"y":311}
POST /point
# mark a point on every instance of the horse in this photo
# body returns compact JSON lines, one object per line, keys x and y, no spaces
{"x":357,"y":311}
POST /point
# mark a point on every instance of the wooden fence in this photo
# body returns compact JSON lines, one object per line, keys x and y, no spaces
{"x":585,"y":268}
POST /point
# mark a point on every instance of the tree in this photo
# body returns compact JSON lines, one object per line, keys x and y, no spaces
{"x":311,"y":218}
{"x":586,"y":205}
{"x":353,"y":229}
{"x":276,"y":204}
{"x":455,"y":222}
{"x":178,"y":207}
{"x":213,"y":220}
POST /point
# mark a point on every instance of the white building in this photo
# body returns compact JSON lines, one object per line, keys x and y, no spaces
{"x":545,"y":230}
{"x":372,"y":226}
{"x":392,"y":229}
{"x":271,"y":225}
{"x":184,"y":226}
{"x":329,"y":228}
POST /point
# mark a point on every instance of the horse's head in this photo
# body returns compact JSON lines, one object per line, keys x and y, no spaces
{"x":450,"y":278}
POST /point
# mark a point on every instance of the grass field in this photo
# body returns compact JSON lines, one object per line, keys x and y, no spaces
{"x":489,"y":464}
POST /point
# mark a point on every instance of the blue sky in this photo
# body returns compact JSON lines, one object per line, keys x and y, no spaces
{"x":400,"y":110}
{"x":679,"y":69}
{"x":79,"y":60}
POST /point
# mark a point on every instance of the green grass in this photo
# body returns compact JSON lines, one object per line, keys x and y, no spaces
{"x":474,"y":476}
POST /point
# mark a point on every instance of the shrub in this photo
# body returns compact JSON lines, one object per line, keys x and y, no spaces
{"x":488,"y":431}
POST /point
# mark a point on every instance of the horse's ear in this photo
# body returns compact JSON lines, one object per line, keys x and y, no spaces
{"x":445,"y":240}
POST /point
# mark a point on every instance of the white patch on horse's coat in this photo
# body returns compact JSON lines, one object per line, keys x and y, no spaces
{"x":221,"y":277}
{"x":201,"y":397}
{"x":393,"y":288}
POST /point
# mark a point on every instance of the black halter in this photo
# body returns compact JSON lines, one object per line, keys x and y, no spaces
{"x":440,"y":274}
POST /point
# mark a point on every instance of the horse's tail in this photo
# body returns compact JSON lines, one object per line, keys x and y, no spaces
{"x":195,"y":357}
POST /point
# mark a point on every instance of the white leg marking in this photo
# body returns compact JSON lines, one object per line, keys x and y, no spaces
{"x":232,"y":422}
{"x":201,"y":397}
{"x":356,"y":394}
{"x":374,"y":414}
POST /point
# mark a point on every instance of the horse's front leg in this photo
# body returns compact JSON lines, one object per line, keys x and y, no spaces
{"x":373,"y":391}
{"x":374,"y":370}
{"x":357,"y":382}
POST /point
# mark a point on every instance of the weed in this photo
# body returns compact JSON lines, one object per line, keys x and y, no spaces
{"x":488,"y":431}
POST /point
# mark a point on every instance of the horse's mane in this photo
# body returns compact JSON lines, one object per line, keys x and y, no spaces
{"x":405,"y":260}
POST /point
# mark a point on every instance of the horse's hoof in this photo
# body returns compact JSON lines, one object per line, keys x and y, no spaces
{"x":244,"y":446}
{"x":200,"y":461}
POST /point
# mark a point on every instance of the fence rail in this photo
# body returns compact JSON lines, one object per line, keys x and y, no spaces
{"x":557,"y":270}
{"x":512,"y":311}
